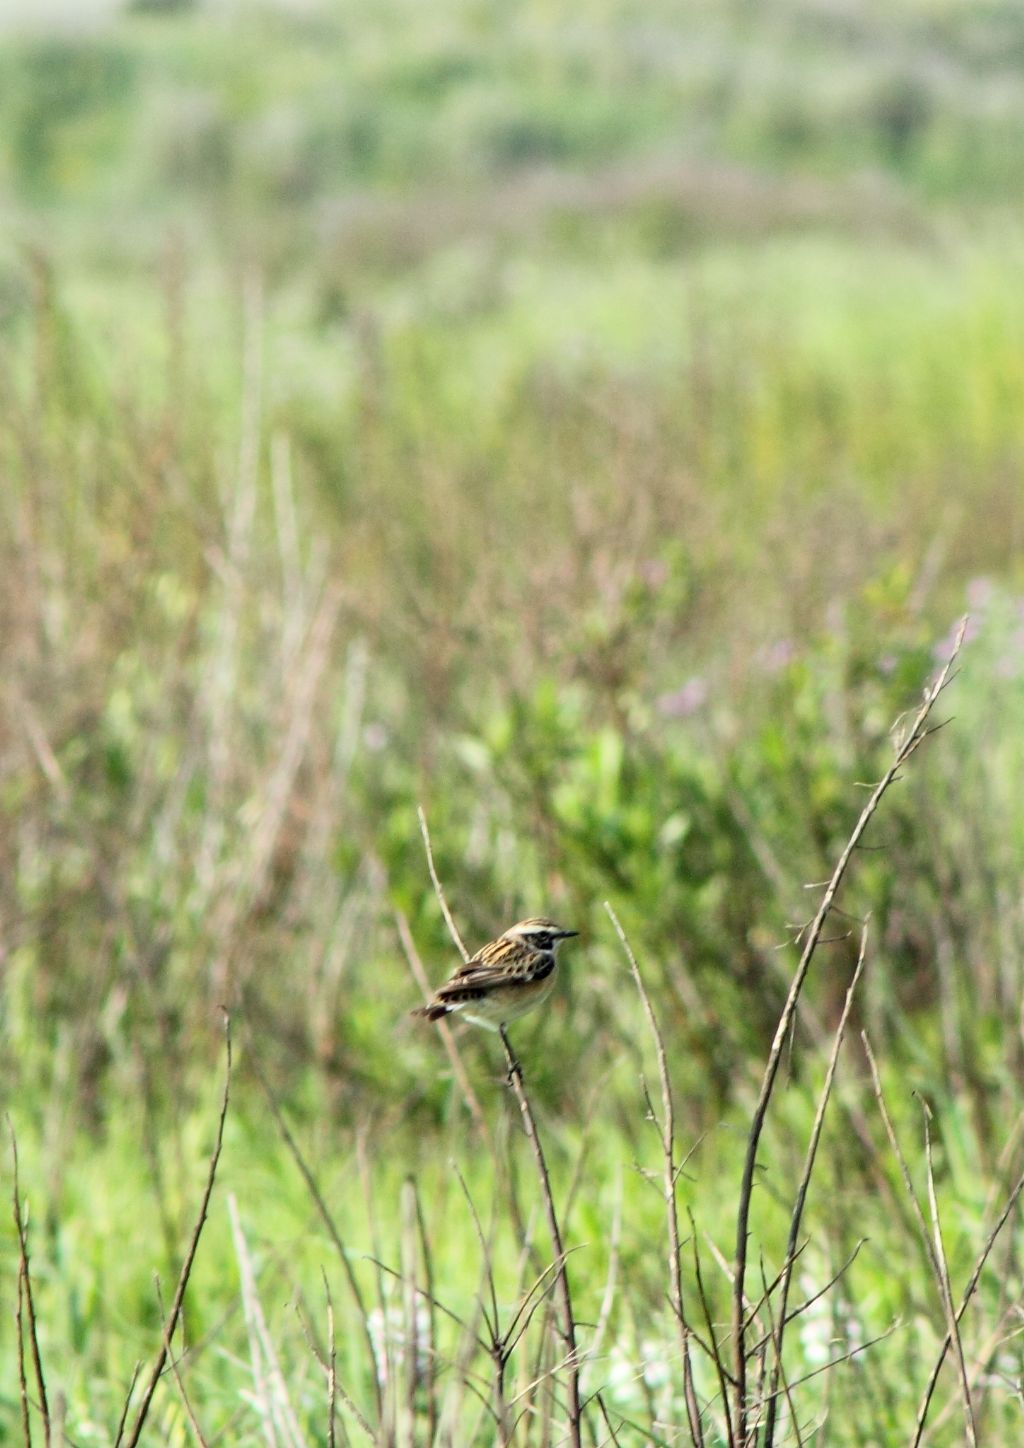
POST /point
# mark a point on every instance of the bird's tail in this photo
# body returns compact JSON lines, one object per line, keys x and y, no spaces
{"x":433,"y":1012}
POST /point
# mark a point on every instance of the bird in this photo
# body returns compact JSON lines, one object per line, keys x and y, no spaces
{"x":505,"y":979}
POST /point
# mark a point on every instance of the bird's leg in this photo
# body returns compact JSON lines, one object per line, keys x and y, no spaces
{"x":514,"y":1068}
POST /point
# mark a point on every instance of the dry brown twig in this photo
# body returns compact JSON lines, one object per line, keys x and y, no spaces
{"x":907,"y":743}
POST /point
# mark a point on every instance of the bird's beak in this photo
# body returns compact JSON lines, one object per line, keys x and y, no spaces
{"x":565,"y":934}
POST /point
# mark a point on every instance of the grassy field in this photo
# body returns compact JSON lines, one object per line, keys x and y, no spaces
{"x":586,"y":427}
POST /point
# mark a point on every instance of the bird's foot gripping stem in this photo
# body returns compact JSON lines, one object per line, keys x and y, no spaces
{"x":514,"y":1068}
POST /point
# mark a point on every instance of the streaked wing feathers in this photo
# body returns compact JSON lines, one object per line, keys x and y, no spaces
{"x":499,"y":954}
{"x":501,"y":960}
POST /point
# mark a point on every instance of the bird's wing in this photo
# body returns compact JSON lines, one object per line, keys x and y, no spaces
{"x":497,"y":955}
{"x":499,"y":961}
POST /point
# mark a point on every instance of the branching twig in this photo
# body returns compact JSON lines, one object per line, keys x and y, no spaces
{"x":906,"y":745}
{"x":778,"y":1371}
{"x":814,"y":1297}
{"x":567,"y":1327}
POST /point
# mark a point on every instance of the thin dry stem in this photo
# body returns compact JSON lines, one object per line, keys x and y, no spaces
{"x":133,"y":1380}
{"x":844,"y":1357}
{"x":814,"y":1296}
{"x":26,"y":1426}
{"x":567,"y":1326}
{"x":805,"y":1182}
{"x":969,"y":1292}
{"x":447,"y":1035}
{"x":945,"y":1288}
{"x":908,"y":742}
{"x":932,"y":1249}
{"x":897,"y":1151}
{"x":25,"y":1291}
{"x":332,"y":1367}
{"x":607,"y":1419}
{"x":449,"y":920}
{"x":190,"y":1254}
{"x":186,"y":1402}
{"x":329,"y":1367}
{"x":778,"y":1370}
{"x":715,"y":1351}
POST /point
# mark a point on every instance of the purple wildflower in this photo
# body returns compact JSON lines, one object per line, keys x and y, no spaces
{"x":683,"y":702}
{"x":775,"y":657}
{"x":980,"y":592}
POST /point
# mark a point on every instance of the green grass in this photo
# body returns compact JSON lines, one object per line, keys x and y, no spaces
{"x":587,"y":426}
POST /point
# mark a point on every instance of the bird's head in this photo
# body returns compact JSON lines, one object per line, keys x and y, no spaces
{"x":539,"y":934}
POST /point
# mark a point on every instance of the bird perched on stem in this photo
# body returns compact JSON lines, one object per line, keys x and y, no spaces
{"x":505,"y":979}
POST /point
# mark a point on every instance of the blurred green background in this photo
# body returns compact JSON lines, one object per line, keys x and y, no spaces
{"x":585,"y":421}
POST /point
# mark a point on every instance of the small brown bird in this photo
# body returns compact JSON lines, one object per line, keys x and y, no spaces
{"x":505,"y":979}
